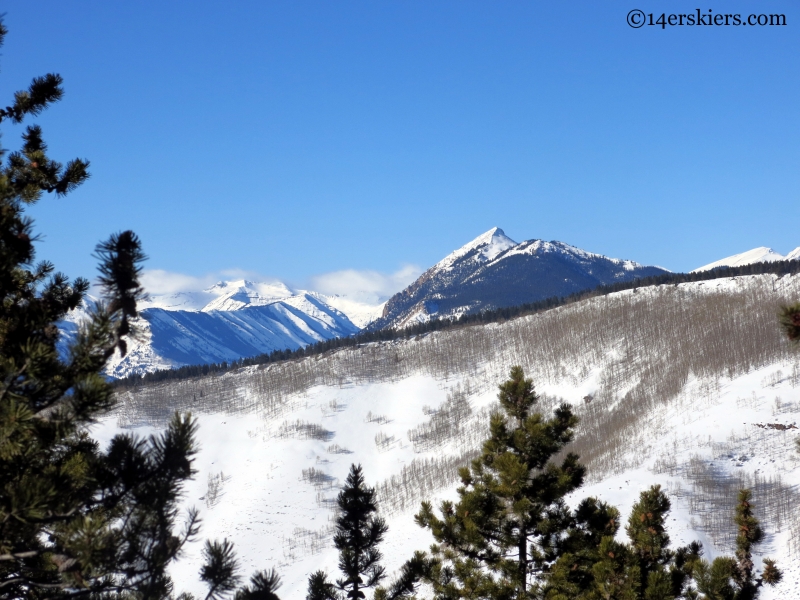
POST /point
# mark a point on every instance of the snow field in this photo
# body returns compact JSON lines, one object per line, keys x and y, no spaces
{"x":276,"y":517}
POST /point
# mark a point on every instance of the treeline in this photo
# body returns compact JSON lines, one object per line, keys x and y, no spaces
{"x":498,"y":315}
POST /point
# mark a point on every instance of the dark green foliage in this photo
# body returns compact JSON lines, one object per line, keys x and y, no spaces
{"x":466,"y":320}
{"x":220,"y":569}
{"x":790,"y":321}
{"x":649,"y":542}
{"x":76,"y":520}
{"x":262,"y":586}
{"x":220,"y":572}
{"x":358,"y":532}
{"x":511,"y":535}
{"x":319,"y":588}
{"x":410,"y":574}
{"x":596,"y":566}
{"x":500,"y":537}
{"x":589,"y":542}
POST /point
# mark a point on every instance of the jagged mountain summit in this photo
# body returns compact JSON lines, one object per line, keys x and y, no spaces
{"x":756,"y":255}
{"x":228,"y":321}
{"x":494,"y":271}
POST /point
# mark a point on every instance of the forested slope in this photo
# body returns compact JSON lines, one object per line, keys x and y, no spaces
{"x":689,"y":385}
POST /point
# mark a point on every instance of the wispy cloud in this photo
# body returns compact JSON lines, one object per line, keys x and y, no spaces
{"x":158,"y":281}
{"x":351,"y":282}
{"x":367,"y":286}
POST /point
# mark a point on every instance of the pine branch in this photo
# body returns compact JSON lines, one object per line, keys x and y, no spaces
{"x":220,"y":570}
{"x":42,"y":92}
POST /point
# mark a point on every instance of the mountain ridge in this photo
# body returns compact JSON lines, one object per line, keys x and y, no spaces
{"x":235,"y":325}
{"x":493,"y":271}
{"x":756,"y":255}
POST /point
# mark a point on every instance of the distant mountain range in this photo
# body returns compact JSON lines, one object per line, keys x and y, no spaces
{"x":243,"y":319}
{"x":756,"y":255}
{"x":236,"y":319}
{"x":493,"y":271}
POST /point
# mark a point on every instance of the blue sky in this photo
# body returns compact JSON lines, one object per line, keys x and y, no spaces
{"x":294,"y":139}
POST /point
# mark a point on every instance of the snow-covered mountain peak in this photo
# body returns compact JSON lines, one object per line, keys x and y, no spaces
{"x":233,"y":295}
{"x":756,"y":255}
{"x":493,"y":271}
{"x":490,"y":245}
{"x":794,"y":254}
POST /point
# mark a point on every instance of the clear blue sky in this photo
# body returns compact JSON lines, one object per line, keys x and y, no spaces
{"x":297,"y":138}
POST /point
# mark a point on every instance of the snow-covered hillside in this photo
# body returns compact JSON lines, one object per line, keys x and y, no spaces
{"x":756,"y":255}
{"x":691,"y":386}
{"x":494,"y":271}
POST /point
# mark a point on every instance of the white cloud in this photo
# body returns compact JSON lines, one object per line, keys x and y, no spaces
{"x":363,"y":284}
{"x":359,"y":294}
{"x":158,"y":281}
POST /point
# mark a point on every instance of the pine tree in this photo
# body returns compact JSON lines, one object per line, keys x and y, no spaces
{"x":589,"y":553}
{"x":358,"y":532}
{"x":649,"y":543}
{"x":645,"y":568}
{"x":501,"y":535}
{"x":596,"y":566}
{"x":790,"y":321}
{"x":75,"y":520}
{"x":734,"y":578}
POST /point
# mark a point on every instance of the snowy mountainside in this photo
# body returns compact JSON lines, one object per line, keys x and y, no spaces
{"x":494,"y":271}
{"x":226,"y":322}
{"x":233,"y":295}
{"x":360,"y":308}
{"x":171,"y":338}
{"x":691,"y":386}
{"x":756,"y":255}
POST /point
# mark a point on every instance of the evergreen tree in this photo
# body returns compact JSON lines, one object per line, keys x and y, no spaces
{"x":790,"y":321}
{"x":506,"y":528}
{"x":358,"y":532}
{"x":734,"y":578}
{"x":589,"y":553}
{"x":511,"y":536}
{"x":595,"y":566}
{"x":649,"y":548}
{"x":74,"y":520}
{"x":645,"y":568}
